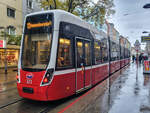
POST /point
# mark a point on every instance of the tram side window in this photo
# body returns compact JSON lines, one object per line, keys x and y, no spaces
{"x":64,"y":58}
{"x":114,"y":51}
{"x":87,"y":54}
{"x":104,"y":49}
{"x":126,"y":53}
{"x":97,"y":51}
{"x":118,"y":52}
{"x":122,"y":52}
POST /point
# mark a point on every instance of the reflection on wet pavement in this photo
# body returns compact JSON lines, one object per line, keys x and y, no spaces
{"x":134,"y":94}
{"x":7,"y":81}
{"x":127,"y":91}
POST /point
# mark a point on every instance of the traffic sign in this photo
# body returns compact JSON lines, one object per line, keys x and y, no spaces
{"x":1,"y":43}
{"x":145,"y":39}
{"x":137,"y":45}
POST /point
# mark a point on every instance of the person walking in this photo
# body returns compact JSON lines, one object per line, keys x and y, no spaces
{"x":140,"y":58}
{"x":133,"y":58}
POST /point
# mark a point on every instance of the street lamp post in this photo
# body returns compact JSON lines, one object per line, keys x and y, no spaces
{"x":5,"y":49}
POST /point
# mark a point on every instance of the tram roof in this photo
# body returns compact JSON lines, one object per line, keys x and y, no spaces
{"x":68,"y":17}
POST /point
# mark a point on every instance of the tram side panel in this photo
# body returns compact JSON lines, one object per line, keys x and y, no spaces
{"x":99,"y":73}
{"x":126,"y":61}
{"x":88,"y":75}
{"x":62,"y":85}
{"x":118,"y":65}
{"x":122,"y":63}
{"x":114,"y":66}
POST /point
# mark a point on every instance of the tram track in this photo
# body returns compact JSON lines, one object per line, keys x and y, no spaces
{"x":14,"y":102}
{"x":46,"y":110}
{"x":28,"y":106}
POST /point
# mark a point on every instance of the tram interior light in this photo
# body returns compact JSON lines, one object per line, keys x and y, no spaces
{"x":64,"y":41}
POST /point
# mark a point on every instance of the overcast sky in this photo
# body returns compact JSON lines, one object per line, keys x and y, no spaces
{"x":131,"y":19}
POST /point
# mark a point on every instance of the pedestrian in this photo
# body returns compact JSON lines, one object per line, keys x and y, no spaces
{"x":133,"y":58}
{"x":140,"y":58}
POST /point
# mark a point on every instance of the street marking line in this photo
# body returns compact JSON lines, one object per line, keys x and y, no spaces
{"x":67,"y":107}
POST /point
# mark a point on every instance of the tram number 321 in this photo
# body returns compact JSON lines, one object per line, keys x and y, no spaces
{"x":29,"y":81}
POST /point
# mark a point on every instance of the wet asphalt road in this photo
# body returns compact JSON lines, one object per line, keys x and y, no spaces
{"x":126,"y":91}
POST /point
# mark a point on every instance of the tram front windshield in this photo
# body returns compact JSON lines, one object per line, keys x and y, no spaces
{"x":37,"y":42}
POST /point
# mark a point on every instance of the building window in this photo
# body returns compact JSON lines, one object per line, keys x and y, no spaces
{"x":30,"y":4}
{"x":10,"y":12}
{"x":11,"y":30}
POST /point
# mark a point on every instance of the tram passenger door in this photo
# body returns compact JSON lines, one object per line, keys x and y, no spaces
{"x":83,"y":64}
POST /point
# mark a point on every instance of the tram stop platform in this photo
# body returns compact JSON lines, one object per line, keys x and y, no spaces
{"x":126,"y":91}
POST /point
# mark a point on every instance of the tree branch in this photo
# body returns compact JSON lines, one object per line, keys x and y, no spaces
{"x":70,"y":5}
{"x":55,"y":5}
{"x":94,"y":12}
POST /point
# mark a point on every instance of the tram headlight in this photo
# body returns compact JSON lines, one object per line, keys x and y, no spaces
{"x":47,"y":76}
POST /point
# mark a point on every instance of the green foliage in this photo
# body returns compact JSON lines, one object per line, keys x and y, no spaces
{"x":87,"y":9}
{"x":12,"y":39}
{"x":15,"y":40}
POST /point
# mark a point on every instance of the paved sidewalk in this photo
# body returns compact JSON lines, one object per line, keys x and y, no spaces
{"x":8,"y":81}
{"x":8,"y":78}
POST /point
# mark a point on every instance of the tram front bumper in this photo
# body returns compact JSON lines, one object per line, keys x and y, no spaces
{"x":32,"y":92}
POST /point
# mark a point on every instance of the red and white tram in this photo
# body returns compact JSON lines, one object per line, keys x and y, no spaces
{"x":61,"y":55}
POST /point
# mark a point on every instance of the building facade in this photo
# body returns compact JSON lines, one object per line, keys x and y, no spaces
{"x":147,"y":48}
{"x":30,"y":6}
{"x":11,"y":16}
{"x":10,"y":22}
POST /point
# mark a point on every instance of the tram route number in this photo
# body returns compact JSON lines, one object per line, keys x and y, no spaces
{"x":29,"y":81}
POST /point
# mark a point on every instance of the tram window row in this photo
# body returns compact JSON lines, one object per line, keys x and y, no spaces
{"x":96,"y":51}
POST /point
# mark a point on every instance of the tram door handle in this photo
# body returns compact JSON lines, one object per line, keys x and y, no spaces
{"x":83,"y":65}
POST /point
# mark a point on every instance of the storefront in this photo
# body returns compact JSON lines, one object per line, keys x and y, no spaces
{"x":12,"y":52}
